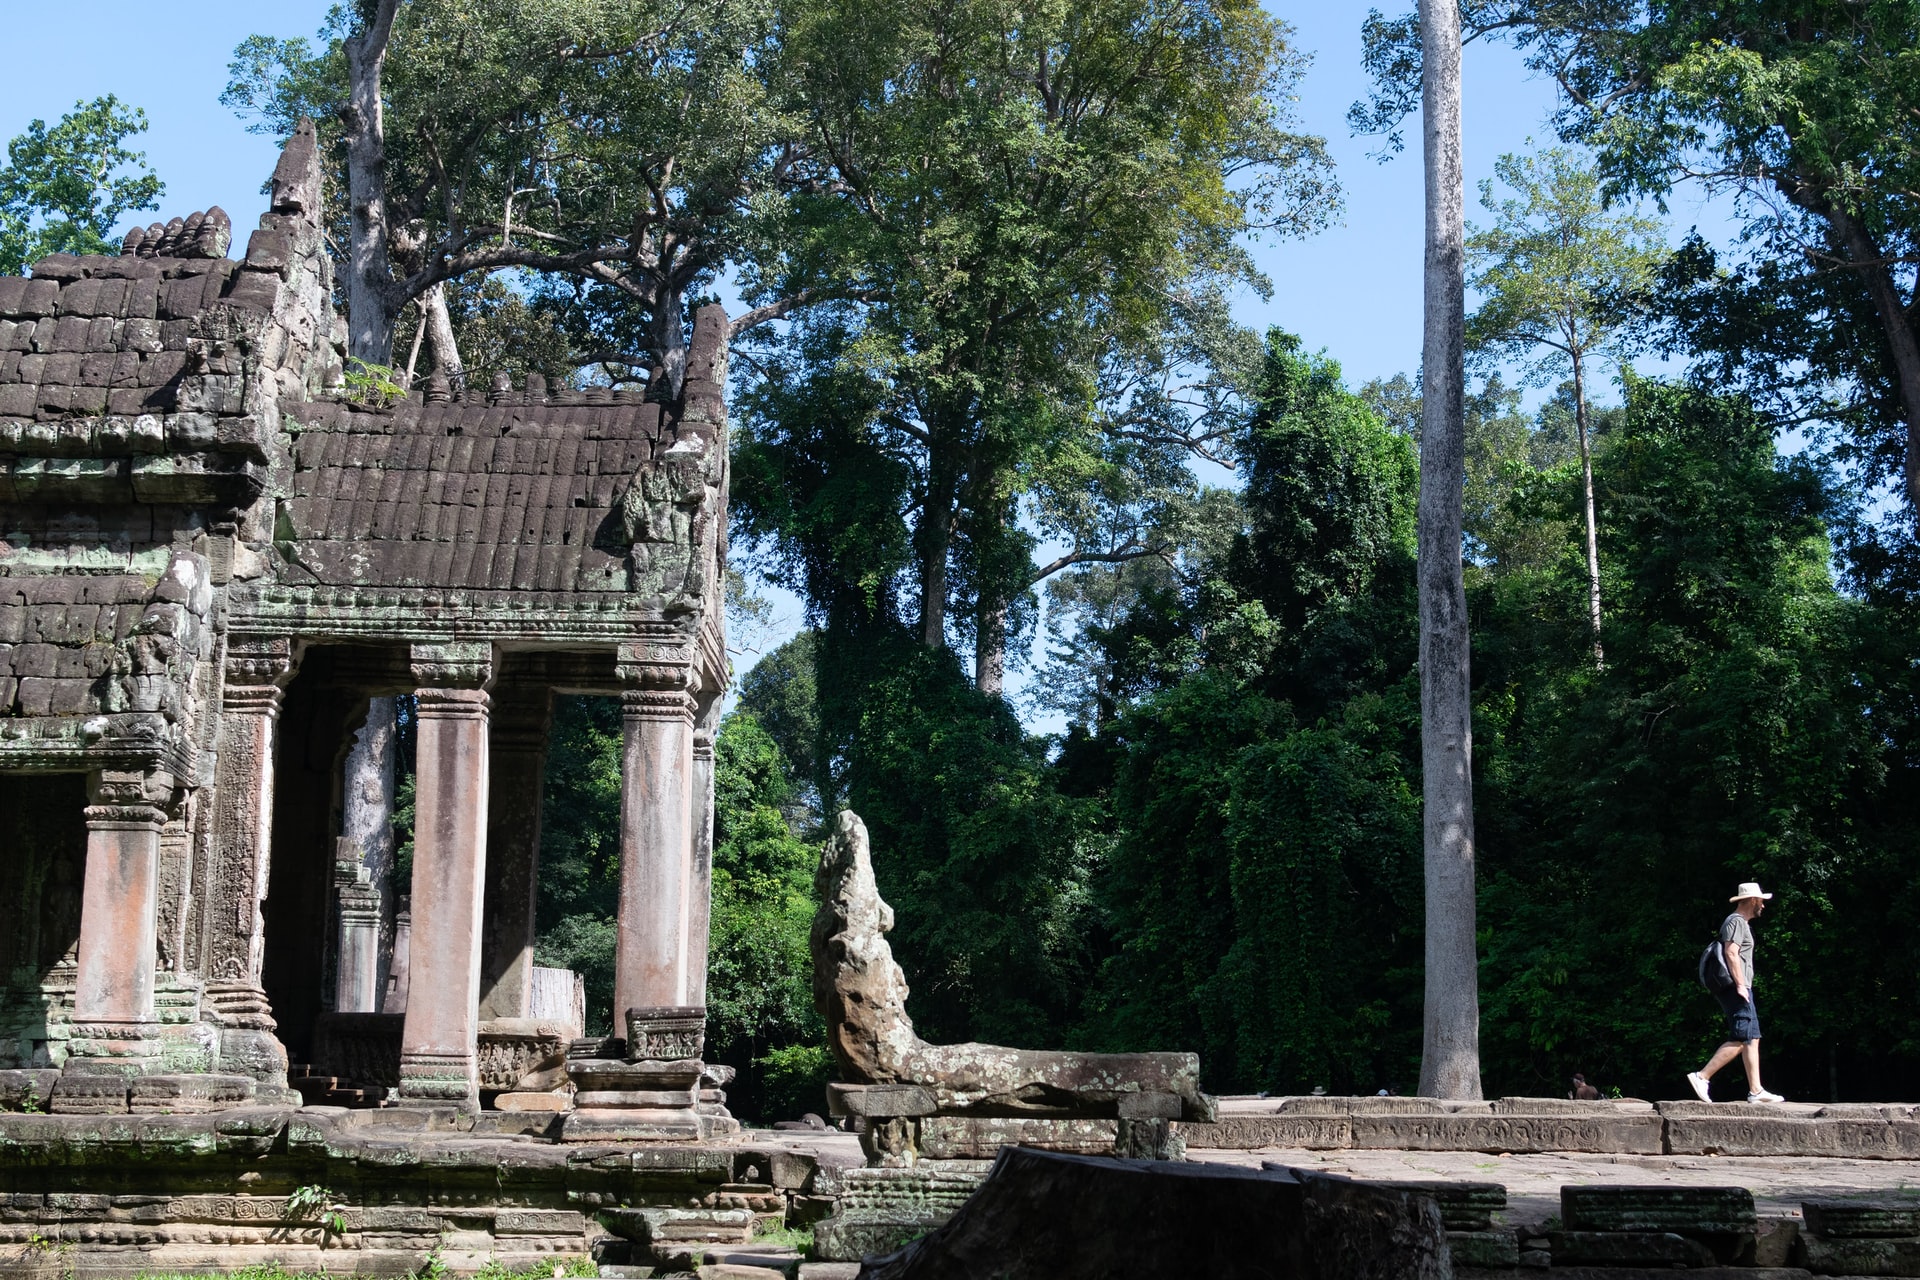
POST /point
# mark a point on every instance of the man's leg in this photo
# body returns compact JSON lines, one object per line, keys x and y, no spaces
{"x":1727,"y":1053}
{"x":1752,"y":1064}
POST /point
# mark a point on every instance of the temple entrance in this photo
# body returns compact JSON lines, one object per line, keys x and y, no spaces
{"x":43,"y":856}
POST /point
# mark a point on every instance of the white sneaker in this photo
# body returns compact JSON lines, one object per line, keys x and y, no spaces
{"x":1764,"y":1096}
{"x":1700,"y":1086}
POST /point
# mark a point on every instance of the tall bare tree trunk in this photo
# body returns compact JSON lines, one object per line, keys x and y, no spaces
{"x":438,"y":323}
{"x":1450,"y":1051}
{"x":367,"y":814}
{"x":371,"y":306}
{"x":1593,"y":526}
{"x":990,"y":647}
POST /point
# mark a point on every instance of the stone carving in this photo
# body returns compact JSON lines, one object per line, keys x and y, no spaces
{"x":862,"y":994}
{"x":665,"y":1035}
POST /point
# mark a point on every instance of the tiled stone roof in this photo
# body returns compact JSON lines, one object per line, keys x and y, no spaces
{"x":505,"y":496}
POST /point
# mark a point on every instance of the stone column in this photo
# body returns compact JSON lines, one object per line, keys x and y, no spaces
{"x":356,"y":986}
{"x":518,"y":776}
{"x":700,"y":910}
{"x":652,"y":957}
{"x":255,"y":674}
{"x":438,"y":1046}
{"x":114,"y":1030}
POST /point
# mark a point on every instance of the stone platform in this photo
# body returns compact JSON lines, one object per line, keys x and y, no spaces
{"x":1525,"y":1125}
{"x":373,"y":1192}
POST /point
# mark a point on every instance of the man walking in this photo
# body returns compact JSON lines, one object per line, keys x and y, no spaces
{"x":1736,"y":1001}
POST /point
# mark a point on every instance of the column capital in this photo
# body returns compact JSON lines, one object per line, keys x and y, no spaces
{"x":129,"y":798}
{"x":453,"y":664}
{"x":257,"y":670}
{"x":702,"y":744}
{"x":659,"y":677}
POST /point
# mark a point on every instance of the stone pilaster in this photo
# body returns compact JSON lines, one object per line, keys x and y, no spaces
{"x":439,"y":1045}
{"x":356,"y":987}
{"x":233,"y":929}
{"x":518,"y":747}
{"x":114,"y":1029}
{"x":652,"y":957}
{"x":700,"y":899}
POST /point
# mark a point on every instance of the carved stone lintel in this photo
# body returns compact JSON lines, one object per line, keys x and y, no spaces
{"x":455,"y":664}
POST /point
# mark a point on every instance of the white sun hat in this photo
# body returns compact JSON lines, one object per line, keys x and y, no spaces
{"x":1748,"y":890}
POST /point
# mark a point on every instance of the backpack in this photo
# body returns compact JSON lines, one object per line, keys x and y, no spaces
{"x":1713,"y":972}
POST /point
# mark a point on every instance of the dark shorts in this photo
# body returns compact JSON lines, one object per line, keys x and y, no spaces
{"x":1743,"y":1020}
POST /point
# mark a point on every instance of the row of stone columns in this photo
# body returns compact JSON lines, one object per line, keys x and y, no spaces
{"x":458,"y":974}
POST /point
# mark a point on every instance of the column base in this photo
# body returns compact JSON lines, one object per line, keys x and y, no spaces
{"x":123,"y":1049}
{"x":248,"y":1045}
{"x":440,"y":1078}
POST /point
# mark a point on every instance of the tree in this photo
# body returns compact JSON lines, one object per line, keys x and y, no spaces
{"x":1450,"y":1056}
{"x":1811,"y":113}
{"x":630,"y":146}
{"x":1559,"y":270}
{"x":1033,"y":205}
{"x":65,"y":187}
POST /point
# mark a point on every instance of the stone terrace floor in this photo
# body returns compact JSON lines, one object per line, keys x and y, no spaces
{"x":1533,"y":1182}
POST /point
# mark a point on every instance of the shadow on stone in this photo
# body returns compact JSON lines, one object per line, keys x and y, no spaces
{"x":1043,"y":1214}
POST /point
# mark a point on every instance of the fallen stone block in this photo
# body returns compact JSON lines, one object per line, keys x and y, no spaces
{"x":1627,"y":1249}
{"x":1484,"y":1248}
{"x":28,"y":1090}
{"x":1885,"y":1257}
{"x":1717,"y":1210}
{"x":1859,"y":1220}
{"x":1464,"y":1206}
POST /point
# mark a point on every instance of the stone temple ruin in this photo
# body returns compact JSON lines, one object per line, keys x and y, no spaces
{"x":212,"y":555}
{"x":216,"y":550}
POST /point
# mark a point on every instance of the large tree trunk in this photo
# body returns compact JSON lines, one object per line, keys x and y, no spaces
{"x":1450,"y":1053}
{"x":438,"y":323}
{"x":669,"y":338}
{"x":1870,"y":263}
{"x":990,"y":647}
{"x":1593,"y":526}
{"x":371,"y":306}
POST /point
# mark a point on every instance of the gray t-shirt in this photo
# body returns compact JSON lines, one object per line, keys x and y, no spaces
{"x":1735,"y":929}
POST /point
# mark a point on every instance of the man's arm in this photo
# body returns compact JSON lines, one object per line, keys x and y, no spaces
{"x":1732,"y":950}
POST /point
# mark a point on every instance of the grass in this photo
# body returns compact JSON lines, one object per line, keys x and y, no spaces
{"x":799,"y":1239}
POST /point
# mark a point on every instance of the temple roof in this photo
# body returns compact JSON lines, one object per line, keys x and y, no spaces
{"x":507,"y":495}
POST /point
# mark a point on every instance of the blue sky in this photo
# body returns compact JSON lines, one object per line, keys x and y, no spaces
{"x":1353,"y":290}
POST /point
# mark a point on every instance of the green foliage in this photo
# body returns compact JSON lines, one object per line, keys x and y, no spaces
{"x":315,"y":1203}
{"x":1558,"y":269}
{"x":578,"y":889}
{"x":374,"y":385}
{"x":760,"y":1016}
{"x":65,"y":186}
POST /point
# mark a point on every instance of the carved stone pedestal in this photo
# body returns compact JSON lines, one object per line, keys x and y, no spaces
{"x":659,"y":1090}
